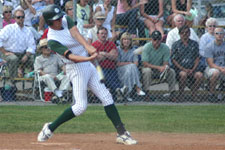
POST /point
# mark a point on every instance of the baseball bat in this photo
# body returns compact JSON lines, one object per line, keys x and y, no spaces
{"x":100,"y":72}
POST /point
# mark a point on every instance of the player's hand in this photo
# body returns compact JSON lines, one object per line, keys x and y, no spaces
{"x":93,"y":56}
{"x":100,"y":57}
{"x":91,"y":50}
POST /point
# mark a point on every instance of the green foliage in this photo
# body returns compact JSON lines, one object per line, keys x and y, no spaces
{"x":148,"y":118}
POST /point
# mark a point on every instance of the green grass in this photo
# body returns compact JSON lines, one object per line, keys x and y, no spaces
{"x":160,"y":118}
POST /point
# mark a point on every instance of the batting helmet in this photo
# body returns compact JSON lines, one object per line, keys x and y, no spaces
{"x":51,"y":13}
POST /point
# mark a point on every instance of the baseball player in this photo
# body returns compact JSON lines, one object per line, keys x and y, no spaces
{"x":65,"y":39}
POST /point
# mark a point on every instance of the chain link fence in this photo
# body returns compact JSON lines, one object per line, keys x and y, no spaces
{"x":148,"y":58}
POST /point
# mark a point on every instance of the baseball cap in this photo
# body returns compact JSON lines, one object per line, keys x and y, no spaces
{"x":156,"y":35}
{"x":99,"y":15}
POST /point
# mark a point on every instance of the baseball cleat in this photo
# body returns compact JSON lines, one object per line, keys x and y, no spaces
{"x":45,"y":133}
{"x":125,"y":139}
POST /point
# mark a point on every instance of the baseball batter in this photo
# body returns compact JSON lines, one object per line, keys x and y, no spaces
{"x":65,"y":39}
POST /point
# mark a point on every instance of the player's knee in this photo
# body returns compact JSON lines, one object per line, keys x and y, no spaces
{"x":79,"y":109}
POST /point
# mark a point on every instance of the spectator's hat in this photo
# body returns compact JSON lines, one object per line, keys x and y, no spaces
{"x":43,"y":42}
{"x":156,"y":35}
{"x":99,"y":15}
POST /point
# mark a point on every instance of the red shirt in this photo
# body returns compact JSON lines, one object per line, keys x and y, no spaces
{"x":105,"y":47}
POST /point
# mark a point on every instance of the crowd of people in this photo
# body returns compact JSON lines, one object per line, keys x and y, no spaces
{"x":180,"y":54}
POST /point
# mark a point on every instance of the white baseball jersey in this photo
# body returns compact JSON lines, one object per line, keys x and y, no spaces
{"x":83,"y":75}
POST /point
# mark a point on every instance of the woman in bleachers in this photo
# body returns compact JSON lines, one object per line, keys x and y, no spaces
{"x":127,"y":66}
{"x":181,"y":7}
{"x":127,"y":14}
{"x":84,"y":17}
{"x":153,"y":15}
{"x":209,"y":14}
{"x":110,"y":14}
{"x":7,"y":16}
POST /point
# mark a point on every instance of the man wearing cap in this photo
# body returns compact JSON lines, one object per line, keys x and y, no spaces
{"x":17,"y":45}
{"x":185,"y":58}
{"x":155,"y":58}
{"x":99,"y":19}
{"x":48,"y":65}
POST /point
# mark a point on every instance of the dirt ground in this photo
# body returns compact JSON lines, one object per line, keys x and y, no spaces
{"x":106,"y":141}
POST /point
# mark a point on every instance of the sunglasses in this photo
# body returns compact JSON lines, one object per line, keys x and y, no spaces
{"x":45,"y":47}
{"x":20,"y":17}
{"x":212,"y":26}
{"x":69,"y":9}
{"x":219,"y":33}
{"x":5,"y":12}
{"x":101,"y":19}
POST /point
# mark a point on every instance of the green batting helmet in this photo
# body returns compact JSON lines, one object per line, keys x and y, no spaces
{"x":51,"y":13}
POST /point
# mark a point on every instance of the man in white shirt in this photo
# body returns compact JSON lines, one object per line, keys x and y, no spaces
{"x":17,"y":44}
{"x":173,"y":34}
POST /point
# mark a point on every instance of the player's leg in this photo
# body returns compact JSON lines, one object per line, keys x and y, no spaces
{"x":79,"y":84}
{"x":103,"y":94}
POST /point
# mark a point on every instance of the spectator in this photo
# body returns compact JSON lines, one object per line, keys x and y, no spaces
{"x":7,"y":16}
{"x":17,"y":45}
{"x":185,"y":58}
{"x":84,"y":17}
{"x":69,"y":9}
{"x":48,"y":65}
{"x":42,"y":25}
{"x":127,"y":11}
{"x":107,"y":57}
{"x":127,"y":66}
{"x":209,"y":14}
{"x":206,"y":38}
{"x":29,"y":11}
{"x":182,"y":7}
{"x":99,"y":19}
{"x":110,"y":15}
{"x":153,"y":15}
{"x":95,"y":4}
{"x":61,"y":3}
{"x":215,"y":56}
{"x":173,"y":34}
{"x":12,"y":3}
{"x":155,"y":58}
{"x":202,"y":22}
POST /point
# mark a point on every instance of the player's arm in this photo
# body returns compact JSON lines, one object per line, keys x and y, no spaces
{"x":76,"y":34}
{"x":63,"y":50}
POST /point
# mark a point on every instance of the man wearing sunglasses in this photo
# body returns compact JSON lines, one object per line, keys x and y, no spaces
{"x":48,"y":65}
{"x":155,"y":58}
{"x":17,"y":45}
{"x":215,"y":56}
